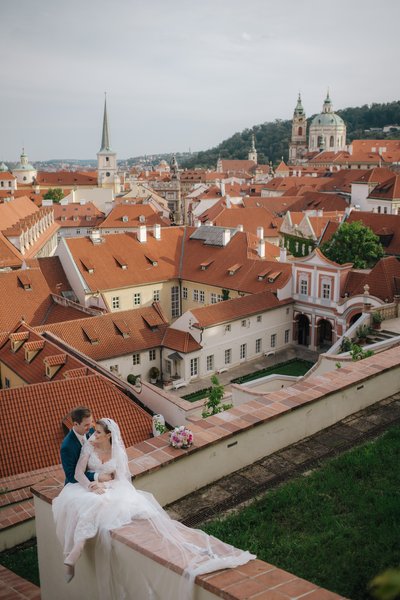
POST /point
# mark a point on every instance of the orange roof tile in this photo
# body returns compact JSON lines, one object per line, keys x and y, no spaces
{"x":386,"y":227}
{"x":388,"y":190}
{"x":382,"y":279}
{"x":133,"y":215}
{"x":229,"y":310}
{"x":181,"y":341}
{"x":66,"y":178}
{"x":23,"y":409}
{"x":78,"y":215}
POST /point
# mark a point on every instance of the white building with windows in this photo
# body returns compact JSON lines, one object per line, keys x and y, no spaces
{"x":327,"y":130}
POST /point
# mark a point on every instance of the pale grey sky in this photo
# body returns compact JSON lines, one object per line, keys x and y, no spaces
{"x":182,"y":74}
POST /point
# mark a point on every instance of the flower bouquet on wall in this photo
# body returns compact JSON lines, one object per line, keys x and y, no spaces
{"x":181,"y":437}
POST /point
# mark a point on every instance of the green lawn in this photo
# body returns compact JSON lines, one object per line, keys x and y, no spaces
{"x":295,"y":367}
{"x":23,"y":561}
{"x":337,"y":527}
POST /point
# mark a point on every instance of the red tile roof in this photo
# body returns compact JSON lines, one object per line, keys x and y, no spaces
{"x":78,"y":215}
{"x":386,"y":227}
{"x":181,"y":341}
{"x":388,"y":190}
{"x":240,"y":166}
{"x":382,"y":279}
{"x":116,"y":334}
{"x":133,"y":215}
{"x":375,"y":175}
{"x":229,"y":310}
{"x":319,"y":201}
{"x":33,"y":416}
{"x":66,"y":178}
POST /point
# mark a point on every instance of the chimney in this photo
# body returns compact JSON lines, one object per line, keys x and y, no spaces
{"x":157,"y":231}
{"x":240,"y":227}
{"x":261,"y":249}
{"x":228,"y":202}
{"x":222,"y":188}
{"x":95,"y":236}
{"x":142,"y":234}
{"x":226,"y":236}
{"x":260,"y":233}
{"x":282,"y":254}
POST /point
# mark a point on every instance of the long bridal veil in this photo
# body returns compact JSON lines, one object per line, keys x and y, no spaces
{"x":189,"y":552}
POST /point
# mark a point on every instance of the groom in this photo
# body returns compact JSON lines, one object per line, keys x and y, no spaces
{"x":72,"y":445}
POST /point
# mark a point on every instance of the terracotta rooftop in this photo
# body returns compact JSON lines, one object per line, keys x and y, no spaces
{"x":251,"y":218}
{"x":113,"y":334}
{"x":388,"y":190}
{"x":133,"y":215}
{"x":77,"y":215}
{"x":375,"y":175}
{"x":66,"y":178}
{"x":319,"y":201}
{"x":237,"y":165}
{"x":383,"y":279}
{"x":22,"y":409}
{"x":386,"y":227}
{"x":181,"y":341}
{"x":229,"y":310}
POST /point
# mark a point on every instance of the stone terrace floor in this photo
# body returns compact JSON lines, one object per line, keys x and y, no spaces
{"x":243,"y":486}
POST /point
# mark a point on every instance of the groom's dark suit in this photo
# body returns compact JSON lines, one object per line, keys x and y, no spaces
{"x":70,"y":452}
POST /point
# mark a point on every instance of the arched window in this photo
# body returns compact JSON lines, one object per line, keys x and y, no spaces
{"x":331,"y":141}
{"x":320,"y":140}
{"x":300,"y":131}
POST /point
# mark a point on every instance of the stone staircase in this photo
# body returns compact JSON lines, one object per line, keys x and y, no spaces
{"x":381,"y":335}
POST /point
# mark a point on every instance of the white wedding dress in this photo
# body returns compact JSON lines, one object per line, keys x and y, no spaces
{"x":80,"y":514}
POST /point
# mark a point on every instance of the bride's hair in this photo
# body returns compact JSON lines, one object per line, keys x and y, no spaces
{"x":104,"y":424}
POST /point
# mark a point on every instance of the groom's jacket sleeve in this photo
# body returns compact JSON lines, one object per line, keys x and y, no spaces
{"x":69,"y":460}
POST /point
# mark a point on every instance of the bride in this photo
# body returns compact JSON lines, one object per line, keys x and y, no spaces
{"x":87,"y":509}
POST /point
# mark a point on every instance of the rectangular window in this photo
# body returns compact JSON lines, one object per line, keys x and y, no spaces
{"x":156,"y":295}
{"x":196,"y":295}
{"x":243,"y":351}
{"x":326,"y":291}
{"x":228,"y":327}
{"x":210,"y":362}
{"x":114,"y":369}
{"x":244,"y":322}
{"x":287,"y":333}
{"x":202,"y":297}
{"x":152,"y":354}
{"x":185,"y":293}
{"x":213,"y":298}
{"x":137,"y":299}
{"x":7,"y":382}
{"x":175,"y":301}
{"x":259,"y":318}
{"x":258,"y":345}
{"x":228,"y":356}
{"x":136,"y":358}
{"x":194,"y":367}
{"x":219,"y":298}
{"x":115,"y":302}
{"x":273,"y":340}
{"x":303,"y":286}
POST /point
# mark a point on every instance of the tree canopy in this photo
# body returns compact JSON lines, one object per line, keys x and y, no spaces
{"x":354,"y":243}
{"x":55,"y":194}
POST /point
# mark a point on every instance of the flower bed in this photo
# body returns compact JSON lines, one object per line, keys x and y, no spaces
{"x":295,"y":367}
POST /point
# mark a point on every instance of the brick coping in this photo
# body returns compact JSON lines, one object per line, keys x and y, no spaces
{"x":13,"y":587}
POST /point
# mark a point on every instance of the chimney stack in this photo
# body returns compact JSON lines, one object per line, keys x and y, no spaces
{"x":226,"y":236}
{"x":222,"y":188}
{"x":142,"y":234}
{"x":240,"y":227}
{"x":261,"y":249}
{"x":260,"y":233}
{"x":157,"y":231}
{"x":282,"y":254}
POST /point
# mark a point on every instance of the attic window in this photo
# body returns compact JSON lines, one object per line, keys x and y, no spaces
{"x":125,"y":219}
{"x":234,"y":269}
{"x":152,"y":260}
{"x":273,"y":276}
{"x":151,"y":322}
{"x":263,"y":275}
{"x":121,"y":261}
{"x":25,"y":281}
{"x":122,"y":327}
{"x":88,"y":264}
{"x":91,"y":334}
{"x":205,"y":265}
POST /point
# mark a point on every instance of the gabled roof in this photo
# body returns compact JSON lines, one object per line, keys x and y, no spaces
{"x":388,"y":190}
{"x":240,"y":166}
{"x":112,"y":334}
{"x":251,"y":218}
{"x":70,"y":178}
{"x":319,"y":201}
{"x":133,"y":215}
{"x":237,"y":308}
{"x":180,"y":341}
{"x":46,"y":405}
{"x":77,"y":215}
{"x":375,"y":175}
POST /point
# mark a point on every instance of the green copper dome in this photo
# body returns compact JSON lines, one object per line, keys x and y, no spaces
{"x":327,"y":119}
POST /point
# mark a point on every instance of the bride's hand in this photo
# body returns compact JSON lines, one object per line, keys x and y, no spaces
{"x":97,"y":488}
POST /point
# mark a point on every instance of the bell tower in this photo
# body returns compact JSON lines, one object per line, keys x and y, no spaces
{"x":298,"y":143}
{"x":106,"y":158}
{"x":253,"y":152}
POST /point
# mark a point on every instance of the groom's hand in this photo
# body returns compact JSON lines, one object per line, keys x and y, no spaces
{"x":105,"y":477}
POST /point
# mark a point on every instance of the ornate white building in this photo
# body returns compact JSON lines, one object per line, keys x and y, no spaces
{"x":24,"y":171}
{"x":327,"y":130}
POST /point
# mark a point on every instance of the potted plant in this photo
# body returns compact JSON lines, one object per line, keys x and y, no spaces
{"x":154,"y":374}
{"x":377,"y":319}
{"x":362,"y":333}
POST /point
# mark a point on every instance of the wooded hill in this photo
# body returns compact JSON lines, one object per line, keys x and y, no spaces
{"x":272,"y":138}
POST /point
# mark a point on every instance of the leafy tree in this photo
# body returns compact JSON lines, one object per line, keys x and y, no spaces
{"x":55,"y":194}
{"x":213,"y":405}
{"x":355,"y":243}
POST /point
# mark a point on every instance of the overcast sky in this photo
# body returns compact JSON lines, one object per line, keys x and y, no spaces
{"x":182,"y":74}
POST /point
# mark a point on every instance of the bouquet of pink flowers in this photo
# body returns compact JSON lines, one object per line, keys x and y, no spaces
{"x":181,"y":437}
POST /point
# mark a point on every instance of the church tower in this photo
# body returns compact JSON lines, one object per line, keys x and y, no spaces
{"x":298,"y":143}
{"x":253,"y":152}
{"x":107,"y":176}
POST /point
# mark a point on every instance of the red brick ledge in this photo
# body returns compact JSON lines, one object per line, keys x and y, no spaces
{"x":13,"y":587}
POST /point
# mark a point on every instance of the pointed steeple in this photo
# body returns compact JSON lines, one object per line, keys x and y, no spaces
{"x":105,"y":138}
{"x":327,"y":103}
{"x":299,"y":110}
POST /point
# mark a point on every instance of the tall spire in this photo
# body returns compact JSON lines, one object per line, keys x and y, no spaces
{"x":327,"y":103}
{"x":299,"y":110}
{"x":105,"y":138}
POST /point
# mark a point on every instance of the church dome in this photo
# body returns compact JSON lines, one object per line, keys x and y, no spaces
{"x":327,"y":119}
{"x":3,"y":168}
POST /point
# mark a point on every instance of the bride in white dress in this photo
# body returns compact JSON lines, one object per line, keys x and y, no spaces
{"x":84,"y":510}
